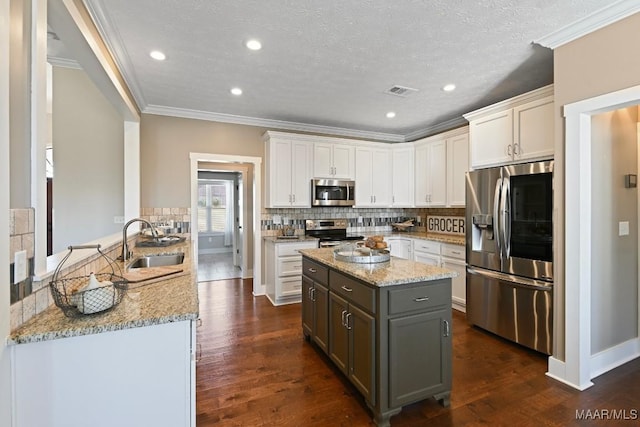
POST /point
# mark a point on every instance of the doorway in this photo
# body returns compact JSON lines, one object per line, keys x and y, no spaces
{"x":249,"y":236}
{"x":219,"y":206}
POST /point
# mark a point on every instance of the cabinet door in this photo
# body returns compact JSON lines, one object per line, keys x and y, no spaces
{"x":425,"y":258}
{"x":362,"y":349}
{"x":400,"y":248}
{"x":490,"y":138}
{"x":419,"y":357}
{"x":458,"y":284}
{"x":421,"y":175}
{"x":338,"y":333}
{"x":322,"y":165}
{"x":281,"y":169}
{"x":321,"y":317}
{"x":364,"y":173}
{"x":343,"y":161}
{"x":307,"y":307}
{"x":437,"y":175}
{"x":403,"y":179}
{"x":533,"y":129}
{"x":300,"y":178}
{"x":380,"y":178}
{"x":457,"y":165}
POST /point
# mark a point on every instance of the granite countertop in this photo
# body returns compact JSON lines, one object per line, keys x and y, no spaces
{"x":395,"y":272}
{"x":443,"y":238}
{"x":300,"y":238}
{"x":168,"y":299}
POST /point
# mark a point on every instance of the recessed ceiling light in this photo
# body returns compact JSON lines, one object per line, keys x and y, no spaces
{"x":157,"y":55}
{"x":448,"y":88}
{"x":391,"y":115}
{"x":236,"y":91}
{"x":253,"y":44}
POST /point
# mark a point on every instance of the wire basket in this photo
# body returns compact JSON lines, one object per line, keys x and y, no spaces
{"x":69,"y":294}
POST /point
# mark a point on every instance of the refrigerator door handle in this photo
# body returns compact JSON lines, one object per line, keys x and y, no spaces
{"x":512,"y":280}
{"x":496,"y":215}
{"x":506,"y":218}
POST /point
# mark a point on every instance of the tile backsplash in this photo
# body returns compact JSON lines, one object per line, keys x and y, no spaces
{"x":373,"y":220}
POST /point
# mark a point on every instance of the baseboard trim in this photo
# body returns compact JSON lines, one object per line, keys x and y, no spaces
{"x":613,"y":357}
{"x":557,"y":369}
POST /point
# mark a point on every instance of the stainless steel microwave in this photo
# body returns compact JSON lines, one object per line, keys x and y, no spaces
{"x":332,"y":192}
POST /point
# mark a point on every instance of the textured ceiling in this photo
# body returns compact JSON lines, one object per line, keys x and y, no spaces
{"x":329,"y":62}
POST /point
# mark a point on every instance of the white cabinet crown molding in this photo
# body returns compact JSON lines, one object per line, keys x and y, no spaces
{"x":507,"y":104}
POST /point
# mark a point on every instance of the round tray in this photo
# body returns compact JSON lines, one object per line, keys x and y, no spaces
{"x":361,"y":255}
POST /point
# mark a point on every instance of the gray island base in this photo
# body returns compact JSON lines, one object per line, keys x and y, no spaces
{"x":387,"y":327}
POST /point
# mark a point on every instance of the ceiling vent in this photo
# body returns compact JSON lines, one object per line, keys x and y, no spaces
{"x":401,"y":91}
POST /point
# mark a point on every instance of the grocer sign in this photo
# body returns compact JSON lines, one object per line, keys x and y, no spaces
{"x":446,"y":225}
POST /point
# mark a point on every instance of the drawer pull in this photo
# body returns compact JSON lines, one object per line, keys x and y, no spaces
{"x":421,"y":299}
{"x":297,"y":266}
{"x":447,"y":328}
{"x":312,"y":270}
{"x":456,"y":252}
{"x":344,"y":288}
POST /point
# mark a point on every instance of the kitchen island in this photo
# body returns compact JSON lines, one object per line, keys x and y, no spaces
{"x":131,"y":365}
{"x":386,"y":326}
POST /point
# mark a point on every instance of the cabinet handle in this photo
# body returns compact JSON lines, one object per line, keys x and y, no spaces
{"x":447,"y":328}
{"x":344,"y":313}
{"x":312,"y":270}
{"x":509,"y":150}
{"x":516,"y":149}
{"x":421,"y":299}
{"x":348,"y":321}
{"x":294,"y":198}
{"x":456,"y":252}
{"x":344,"y":288}
{"x":313,"y":294}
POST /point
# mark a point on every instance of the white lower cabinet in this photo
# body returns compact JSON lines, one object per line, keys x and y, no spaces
{"x":283,"y":270}
{"x":400,"y":247}
{"x":141,"y":376}
{"x":453,"y":258}
{"x":449,"y":256}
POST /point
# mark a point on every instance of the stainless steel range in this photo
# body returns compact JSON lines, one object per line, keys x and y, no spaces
{"x":331,"y":232}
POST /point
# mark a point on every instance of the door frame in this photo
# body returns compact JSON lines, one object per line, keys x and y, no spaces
{"x":258,"y":287}
{"x":580,"y":366}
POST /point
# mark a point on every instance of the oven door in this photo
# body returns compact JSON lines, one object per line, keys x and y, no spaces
{"x":332,"y":192}
{"x":527,"y":227}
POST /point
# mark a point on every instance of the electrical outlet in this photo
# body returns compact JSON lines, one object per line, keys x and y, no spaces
{"x":360,"y":220}
{"x":20,"y":266}
{"x":277,"y":220}
{"x":118,"y":220}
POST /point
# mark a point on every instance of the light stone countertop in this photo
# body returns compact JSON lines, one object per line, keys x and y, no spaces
{"x":397,"y":271}
{"x":276,"y":239}
{"x":443,"y":238}
{"x":169,"y":299}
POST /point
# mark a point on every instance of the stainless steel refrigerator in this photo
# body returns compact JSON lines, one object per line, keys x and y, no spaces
{"x":509,"y":245}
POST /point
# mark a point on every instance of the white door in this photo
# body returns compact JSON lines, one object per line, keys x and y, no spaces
{"x":238,"y":249}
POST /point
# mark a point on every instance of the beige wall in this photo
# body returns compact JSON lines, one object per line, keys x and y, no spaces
{"x":19,"y":100}
{"x":614,"y":286}
{"x":88,"y":161}
{"x":165,"y":144}
{"x":598,"y":63}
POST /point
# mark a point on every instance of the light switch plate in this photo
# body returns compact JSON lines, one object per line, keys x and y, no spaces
{"x":19,"y":266}
{"x":623,"y":228}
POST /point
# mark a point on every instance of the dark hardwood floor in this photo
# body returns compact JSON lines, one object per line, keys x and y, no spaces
{"x":255,"y":369}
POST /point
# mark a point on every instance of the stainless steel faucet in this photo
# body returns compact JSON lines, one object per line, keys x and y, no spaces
{"x":126,"y":253}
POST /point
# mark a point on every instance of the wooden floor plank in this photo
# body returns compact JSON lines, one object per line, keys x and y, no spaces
{"x":255,"y":369}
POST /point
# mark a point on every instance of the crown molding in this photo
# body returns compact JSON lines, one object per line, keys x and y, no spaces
{"x":436,"y":129}
{"x":533,"y":95}
{"x":111,"y":37}
{"x":272,"y":124}
{"x":599,"y":19}
{"x":64,"y":62}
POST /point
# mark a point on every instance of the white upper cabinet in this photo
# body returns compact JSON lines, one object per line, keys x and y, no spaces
{"x":288,"y":178}
{"x":373,"y":177}
{"x":403,"y":182}
{"x":333,"y":161}
{"x":517,"y":130}
{"x":457,"y":167}
{"x":440,"y":164}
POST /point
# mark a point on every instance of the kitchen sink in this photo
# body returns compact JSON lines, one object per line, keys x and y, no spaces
{"x":157,"y":260}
